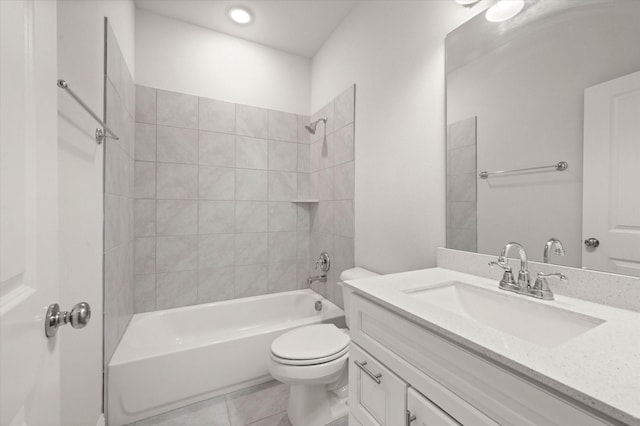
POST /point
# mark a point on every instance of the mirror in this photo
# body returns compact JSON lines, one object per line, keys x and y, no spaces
{"x":516,"y":100}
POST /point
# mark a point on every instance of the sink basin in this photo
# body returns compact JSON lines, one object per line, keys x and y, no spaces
{"x":529,"y":320}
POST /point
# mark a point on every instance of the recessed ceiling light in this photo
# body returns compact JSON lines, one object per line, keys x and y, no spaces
{"x":240,"y":15}
{"x":503,"y":10}
{"x":467,"y":2}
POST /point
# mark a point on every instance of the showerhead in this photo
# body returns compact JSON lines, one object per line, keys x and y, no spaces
{"x":312,"y":126}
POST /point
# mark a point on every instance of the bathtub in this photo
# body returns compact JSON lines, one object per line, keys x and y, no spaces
{"x":171,"y":358}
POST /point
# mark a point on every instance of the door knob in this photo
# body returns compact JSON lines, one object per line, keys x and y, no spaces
{"x":78,"y":317}
{"x":591,"y":242}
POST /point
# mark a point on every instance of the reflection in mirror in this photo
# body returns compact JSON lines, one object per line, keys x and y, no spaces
{"x":516,"y":100}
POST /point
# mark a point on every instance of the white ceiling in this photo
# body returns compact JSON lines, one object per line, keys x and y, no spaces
{"x":295,"y":26}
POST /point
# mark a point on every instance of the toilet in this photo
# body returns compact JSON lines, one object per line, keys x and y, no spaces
{"x":313,"y":361}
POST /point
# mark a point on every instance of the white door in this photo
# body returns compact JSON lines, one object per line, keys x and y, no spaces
{"x":611,"y":195}
{"x":29,"y":362}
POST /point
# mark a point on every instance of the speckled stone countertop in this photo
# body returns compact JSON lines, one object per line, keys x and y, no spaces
{"x":599,"y":368}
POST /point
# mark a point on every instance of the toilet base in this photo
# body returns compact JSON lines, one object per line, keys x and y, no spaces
{"x":314,"y":405}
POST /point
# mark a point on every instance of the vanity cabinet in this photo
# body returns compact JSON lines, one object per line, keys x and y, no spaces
{"x":439,"y":381}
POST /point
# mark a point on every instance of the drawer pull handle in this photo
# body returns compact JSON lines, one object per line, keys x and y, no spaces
{"x":374,"y":377}
{"x":410,"y":417}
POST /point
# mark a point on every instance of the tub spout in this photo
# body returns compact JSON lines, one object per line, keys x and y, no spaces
{"x":321,"y":278}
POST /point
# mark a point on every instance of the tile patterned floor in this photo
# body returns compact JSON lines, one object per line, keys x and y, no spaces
{"x":262,"y":405}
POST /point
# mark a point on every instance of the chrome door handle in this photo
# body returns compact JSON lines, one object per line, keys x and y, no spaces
{"x":374,"y":377}
{"x":410,"y":417}
{"x":591,"y":242}
{"x":78,"y":317}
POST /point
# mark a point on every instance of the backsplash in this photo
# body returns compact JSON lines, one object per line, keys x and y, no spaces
{"x":214,"y":185}
{"x":619,"y":291}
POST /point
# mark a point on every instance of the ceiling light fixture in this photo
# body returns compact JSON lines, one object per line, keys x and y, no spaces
{"x":503,"y":10}
{"x":240,"y":15}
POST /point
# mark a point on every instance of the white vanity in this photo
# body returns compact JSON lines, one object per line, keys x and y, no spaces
{"x":451,"y":348}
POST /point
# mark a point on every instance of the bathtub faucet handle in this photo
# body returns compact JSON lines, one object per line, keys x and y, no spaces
{"x":324,"y":262}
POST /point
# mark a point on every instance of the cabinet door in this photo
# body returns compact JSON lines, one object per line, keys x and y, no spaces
{"x":377,"y":397}
{"x":426,"y":412}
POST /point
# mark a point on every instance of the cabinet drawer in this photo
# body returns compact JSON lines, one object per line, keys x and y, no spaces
{"x":426,"y":412}
{"x":450,"y":375}
{"x":376,"y":395}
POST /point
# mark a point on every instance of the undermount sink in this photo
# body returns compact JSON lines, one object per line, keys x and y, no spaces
{"x":533,"y":321}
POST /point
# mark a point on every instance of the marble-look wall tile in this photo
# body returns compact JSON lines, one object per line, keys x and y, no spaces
{"x":145,"y":217}
{"x":123,"y":181}
{"x":145,"y":293}
{"x":283,"y":126}
{"x":217,"y":116}
{"x":251,"y":184}
{"x":283,"y":186}
{"x":216,"y":183}
{"x":283,"y":156}
{"x":145,"y":179}
{"x":283,"y":246}
{"x":250,"y":280}
{"x":174,"y":289}
{"x":251,"y":153}
{"x":177,"y":109}
{"x":462,"y":133}
{"x":251,"y":248}
{"x":251,"y":216}
{"x":282,"y":216}
{"x":216,"y":284}
{"x":216,"y":217}
{"x":282,"y":276}
{"x":461,"y":187}
{"x":177,"y":181}
{"x":176,"y":253}
{"x":216,"y":251}
{"x":217,"y":149}
{"x":145,"y":145}
{"x":344,"y":108}
{"x":177,"y":217}
{"x":252,"y":121}
{"x":344,"y":145}
{"x":175,"y":145}
{"x":145,"y":105}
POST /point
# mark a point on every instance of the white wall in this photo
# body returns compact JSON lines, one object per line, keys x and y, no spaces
{"x":81,"y":63}
{"x":173,"y":55}
{"x":394,"y":53}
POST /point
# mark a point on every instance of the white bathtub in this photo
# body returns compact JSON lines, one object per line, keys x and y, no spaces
{"x":171,"y":358}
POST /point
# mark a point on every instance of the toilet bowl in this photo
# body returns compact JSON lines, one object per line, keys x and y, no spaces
{"x":313,"y":360}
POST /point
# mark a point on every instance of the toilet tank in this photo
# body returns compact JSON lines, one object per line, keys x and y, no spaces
{"x":351,"y":274}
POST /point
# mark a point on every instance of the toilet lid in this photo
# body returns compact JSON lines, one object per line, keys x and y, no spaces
{"x":312,"y":342}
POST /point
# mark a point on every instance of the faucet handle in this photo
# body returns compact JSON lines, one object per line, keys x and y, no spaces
{"x":503,"y":265}
{"x":507,"y":282}
{"x":541,"y":288}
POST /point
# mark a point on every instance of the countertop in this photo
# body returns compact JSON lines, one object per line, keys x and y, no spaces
{"x":600,"y":368}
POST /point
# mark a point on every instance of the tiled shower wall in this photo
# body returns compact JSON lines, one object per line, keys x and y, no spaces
{"x":332,"y":182}
{"x":462,"y":204}
{"x":214,"y":184}
{"x":118,"y":196}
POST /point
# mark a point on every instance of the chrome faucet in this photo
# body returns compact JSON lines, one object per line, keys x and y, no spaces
{"x":320,"y":278}
{"x":540,"y":288}
{"x":558,"y":248}
{"x":523,"y":274}
{"x":324,"y":262}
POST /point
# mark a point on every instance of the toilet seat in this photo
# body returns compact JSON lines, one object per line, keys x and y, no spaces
{"x":314,"y":361}
{"x":309,"y":345}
